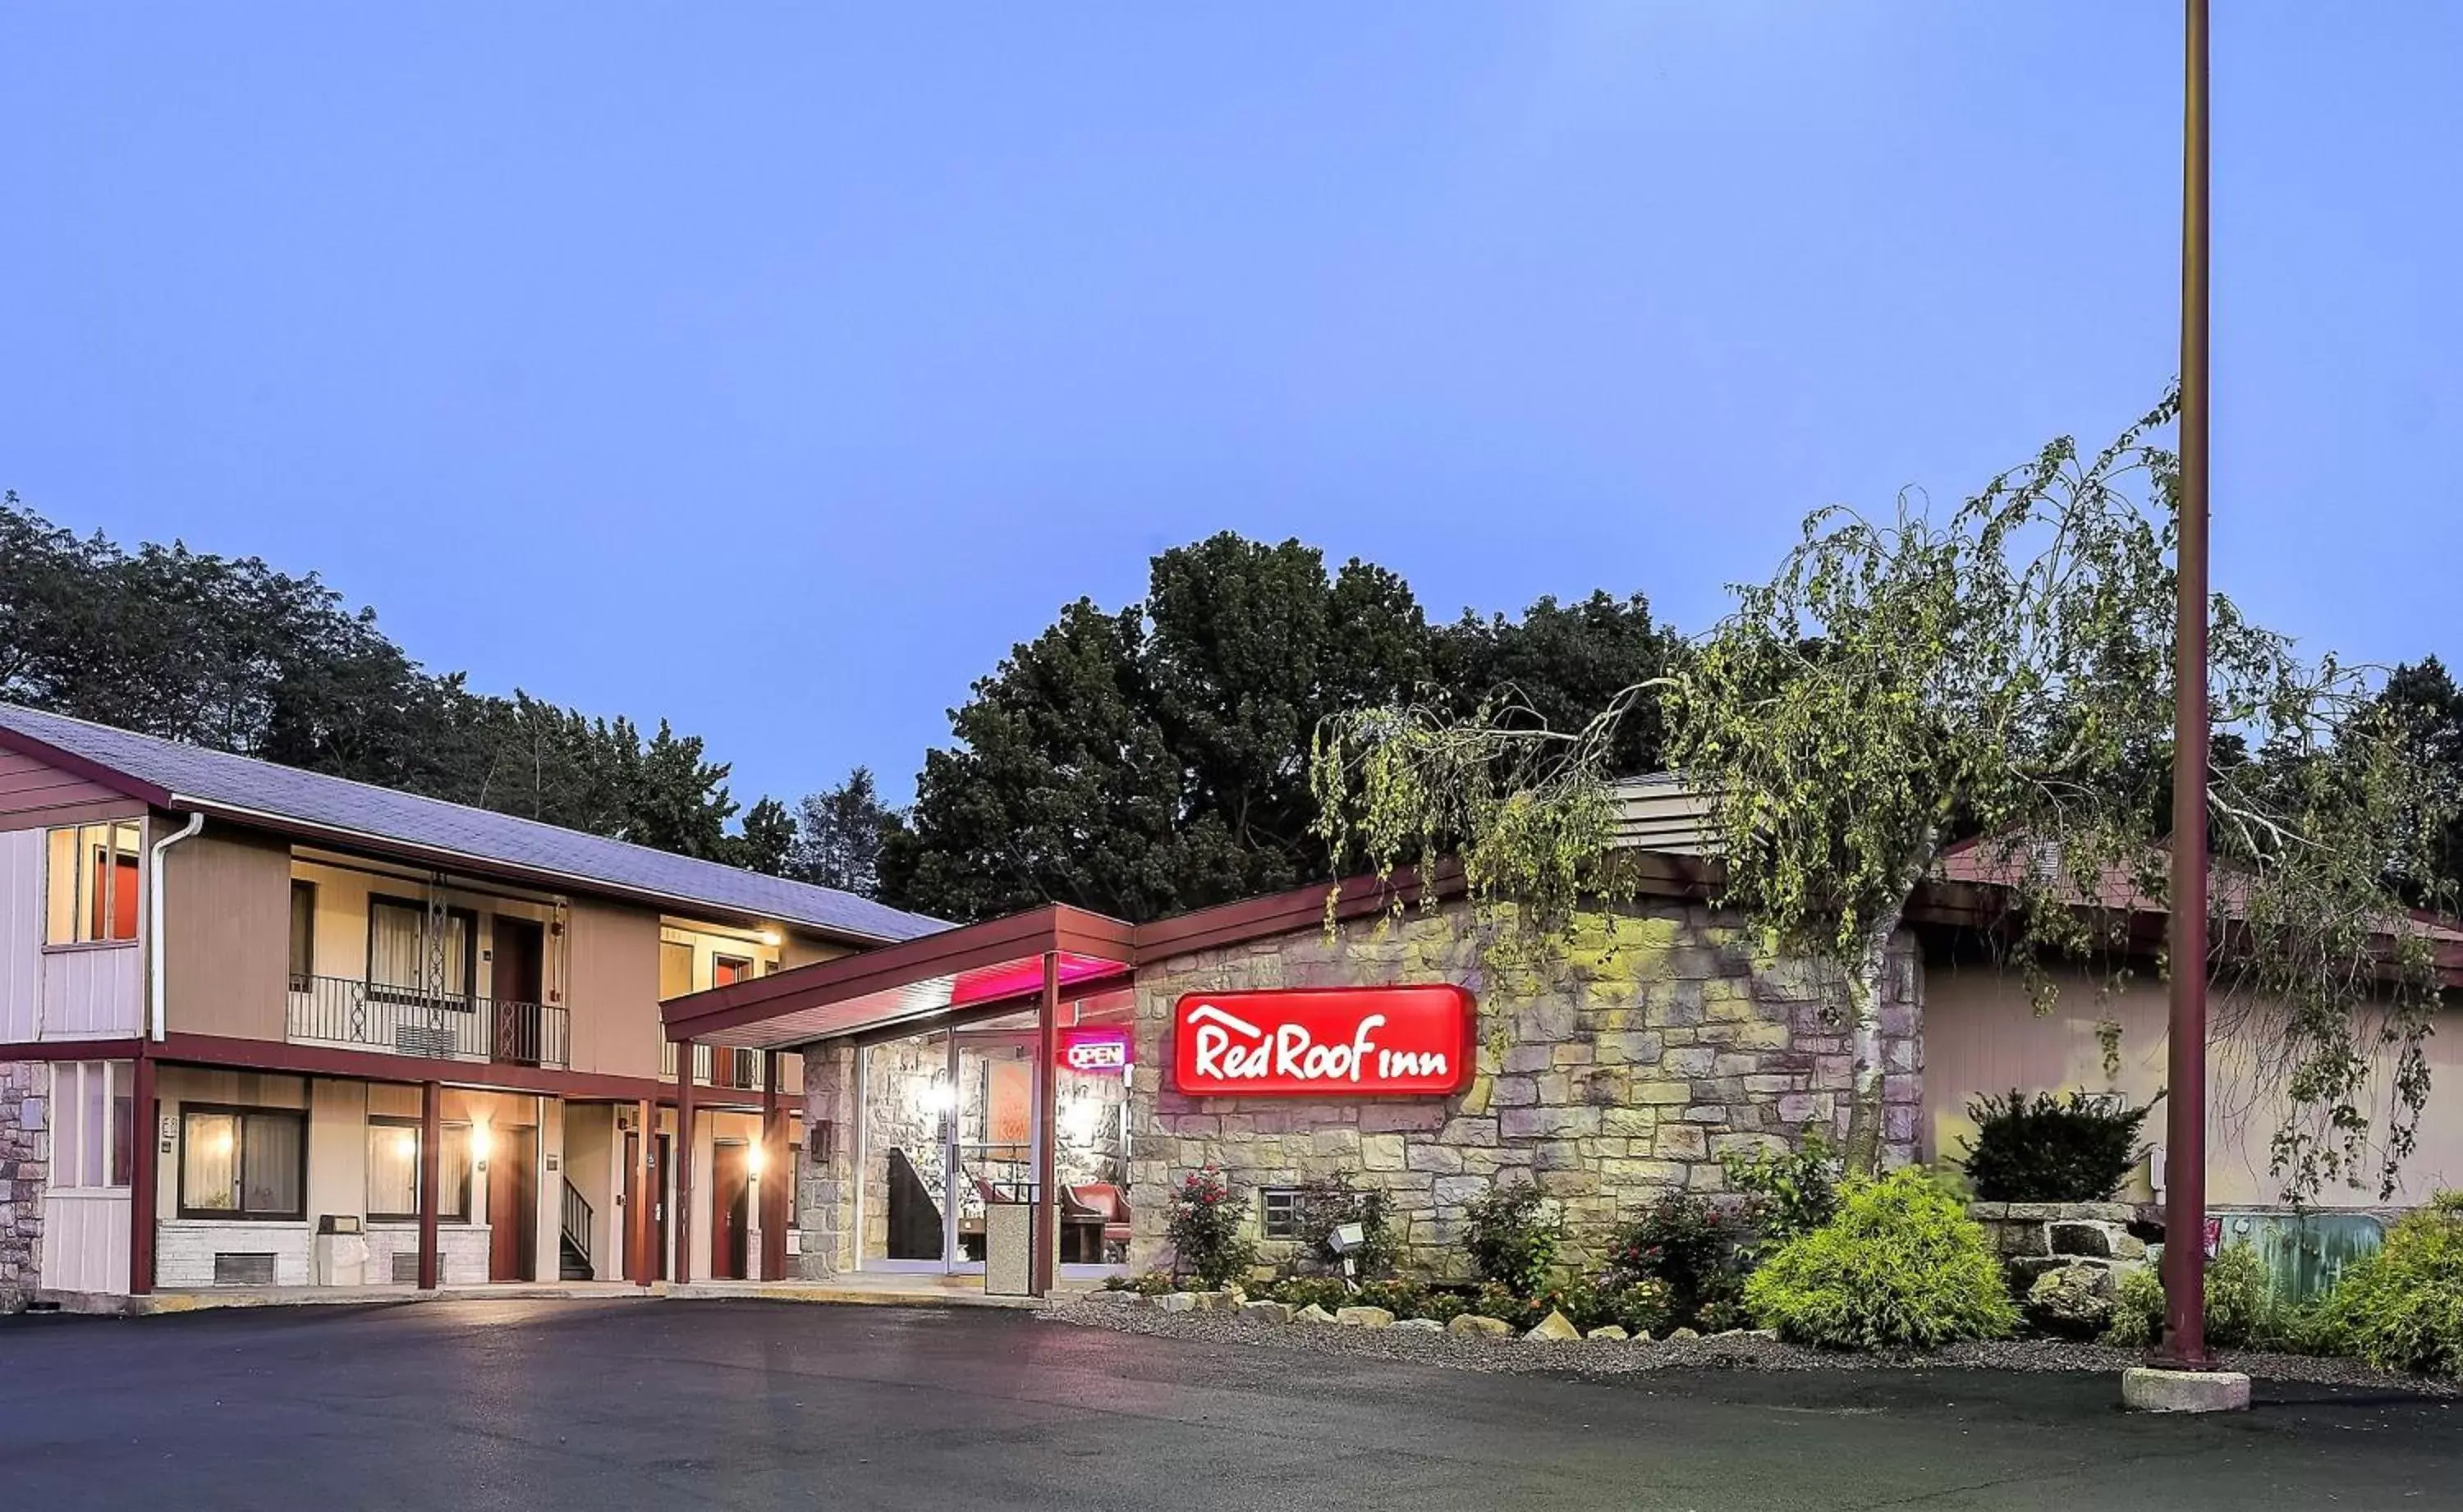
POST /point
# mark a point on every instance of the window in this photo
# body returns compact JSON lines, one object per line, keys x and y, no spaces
{"x":93,"y":1124}
{"x":243,"y":1162}
{"x":1278,"y":1215}
{"x":398,"y":950}
{"x":92,"y":885}
{"x":675,"y":969}
{"x":393,"y":1172}
{"x":303,"y":934}
{"x":726,"y":971}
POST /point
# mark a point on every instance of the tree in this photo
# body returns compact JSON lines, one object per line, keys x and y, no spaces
{"x":839,"y":837}
{"x":2001,"y":677}
{"x":767,"y":841}
{"x":1564,"y":663}
{"x":2422,"y":698}
{"x":232,"y":654}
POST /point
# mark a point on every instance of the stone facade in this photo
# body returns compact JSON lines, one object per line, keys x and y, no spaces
{"x":825,"y":1186}
{"x":1627,"y":1065}
{"x":25,"y":1167}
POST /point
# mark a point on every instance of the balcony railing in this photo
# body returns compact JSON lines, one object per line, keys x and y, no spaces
{"x":727,"y":1065}
{"x":343,"y":1010}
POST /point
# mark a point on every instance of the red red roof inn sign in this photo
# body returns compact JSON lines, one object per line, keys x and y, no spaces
{"x":1323,"y":1042}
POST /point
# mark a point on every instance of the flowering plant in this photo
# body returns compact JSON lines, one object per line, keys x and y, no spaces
{"x":1205,"y":1230}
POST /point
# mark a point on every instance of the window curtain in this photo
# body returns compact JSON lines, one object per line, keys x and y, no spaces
{"x":210,"y":1161}
{"x":393,"y":1171}
{"x":270,"y":1150}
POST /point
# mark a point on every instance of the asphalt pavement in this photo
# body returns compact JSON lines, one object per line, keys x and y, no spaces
{"x":552,"y":1405}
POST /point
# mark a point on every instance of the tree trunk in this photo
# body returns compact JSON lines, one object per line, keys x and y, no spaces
{"x":1867,"y":985}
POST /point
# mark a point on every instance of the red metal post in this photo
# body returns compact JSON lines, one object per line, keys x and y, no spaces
{"x":432,"y":1141}
{"x":142,"y":1182}
{"x":683,"y":1159}
{"x":639,"y":1266}
{"x":2185,"y":1146}
{"x":778,"y":1173}
{"x":1047,"y":1110}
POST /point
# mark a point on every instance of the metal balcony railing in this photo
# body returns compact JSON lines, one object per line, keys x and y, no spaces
{"x":344,"y":1010}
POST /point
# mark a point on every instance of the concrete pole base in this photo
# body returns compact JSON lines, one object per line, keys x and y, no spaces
{"x":2147,"y":1390}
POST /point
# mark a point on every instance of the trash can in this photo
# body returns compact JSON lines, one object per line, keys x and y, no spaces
{"x":341,"y":1250}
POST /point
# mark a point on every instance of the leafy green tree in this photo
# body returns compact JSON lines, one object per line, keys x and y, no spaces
{"x":839,"y":835}
{"x":766,"y":841}
{"x":1563,"y":665}
{"x":2002,"y":676}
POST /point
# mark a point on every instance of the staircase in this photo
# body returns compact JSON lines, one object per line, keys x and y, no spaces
{"x":573,"y":1242}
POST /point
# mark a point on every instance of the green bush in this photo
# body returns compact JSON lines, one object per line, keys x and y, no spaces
{"x":1403,"y":1299}
{"x":2050,"y":1150}
{"x":1686,"y":1243}
{"x":1900,"y":1265}
{"x":1788,"y":1193}
{"x":1325,"y":1291}
{"x":1320,"y":1206}
{"x":2243,"y":1308}
{"x":1512,"y":1233}
{"x":1205,"y":1230}
{"x":2402,"y":1308}
{"x":1153,"y":1283}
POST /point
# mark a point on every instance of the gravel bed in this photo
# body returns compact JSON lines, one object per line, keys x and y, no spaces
{"x":1733,"y":1351}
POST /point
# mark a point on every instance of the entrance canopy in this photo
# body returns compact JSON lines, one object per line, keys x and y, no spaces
{"x":946,"y":978}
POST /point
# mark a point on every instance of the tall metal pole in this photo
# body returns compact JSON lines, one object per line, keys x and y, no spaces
{"x":2185,"y":1145}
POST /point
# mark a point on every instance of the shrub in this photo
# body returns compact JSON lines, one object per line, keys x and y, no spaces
{"x":1320,"y":1206}
{"x":1900,"y":1265}
{"x":1641,"y":1306}
{"x":1205,"y":1230}
{"x":2050,"y":1150}
{"x":1445,"y":1306}
{"x":2243,"y":1308}
{"x":1512,"y":1233}
{"x":2402,"y":1308}
{"x":1325,"y":1291}
{"x":1403,"y":1299}
{"x":1153,"y":1283}
{"x":1683,"y":1242}
{"x":1788,"y":1193}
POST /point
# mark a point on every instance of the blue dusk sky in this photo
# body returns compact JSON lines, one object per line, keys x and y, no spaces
{"x":775,"y":369}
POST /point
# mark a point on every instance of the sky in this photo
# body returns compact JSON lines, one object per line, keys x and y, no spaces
{"x":776,"y":369}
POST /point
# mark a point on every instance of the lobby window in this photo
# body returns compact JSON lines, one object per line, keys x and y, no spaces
{"x":1278,"y":1212}
{"x":243,"y":1162}
{"x":393,"y":1172}
{"x":92,"y":1125}
{"x":91,"y":885}
{"x":303,"y":934}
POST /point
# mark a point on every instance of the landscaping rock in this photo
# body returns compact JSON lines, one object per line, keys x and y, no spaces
{"x":1313,"y":1313}
{"x":1472,"y":1326}
{"x":1364,"y":1317}
{"x":1554,"y":1328}
{"x":2074,"y":1302}
{"x":1678,"y":1335}
{"x":1267,"y":1311}
{"x":1421,"y":1326}
{"x":1178,"y":1302}
{"x":2098,"y":1240}
{"x":1116,"y":1299}
{"x":1607,"y":1331}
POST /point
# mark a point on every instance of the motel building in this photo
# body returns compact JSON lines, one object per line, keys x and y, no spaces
{"x":261,"y":1028}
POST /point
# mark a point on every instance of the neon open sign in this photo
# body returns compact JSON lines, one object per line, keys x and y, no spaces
{"x":1094,"y":1049}
{"x":1332,"y":1042}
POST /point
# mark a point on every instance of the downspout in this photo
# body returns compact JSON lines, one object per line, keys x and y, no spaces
{"x":154,"y":927}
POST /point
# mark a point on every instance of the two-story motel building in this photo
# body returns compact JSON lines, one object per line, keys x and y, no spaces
{"x":243,"y":1006}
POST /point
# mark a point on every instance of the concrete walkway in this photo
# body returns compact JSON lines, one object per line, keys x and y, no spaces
{"x":897,"y":1290}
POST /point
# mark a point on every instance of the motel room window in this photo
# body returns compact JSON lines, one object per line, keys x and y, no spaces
{"x":398,"y":950}
{"x":393,"y":1172}
{"x":92,"y":1125}
{"x":726,"y":971}
{"x":675,"y":969}
{"x":243,"y":1162}
{"x":1278,"y":1212}
{"x":91,"y":885}
{"x":303,"y":934}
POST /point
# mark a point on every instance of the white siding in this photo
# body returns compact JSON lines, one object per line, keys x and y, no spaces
{"x":93,"y":993}
{"x":21,"y":932}
{"x":85,"y":1241}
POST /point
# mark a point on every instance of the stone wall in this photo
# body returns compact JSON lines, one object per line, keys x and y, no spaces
{"x":25,"y":1169}
{"x":825,"y":1187}
{"x":1661,"y":1040}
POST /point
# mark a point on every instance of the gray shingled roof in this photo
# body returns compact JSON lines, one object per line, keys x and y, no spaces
{"x":218,"y":779}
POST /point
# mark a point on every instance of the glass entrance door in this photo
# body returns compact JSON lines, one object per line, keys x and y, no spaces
{"x":993,"y":1135}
